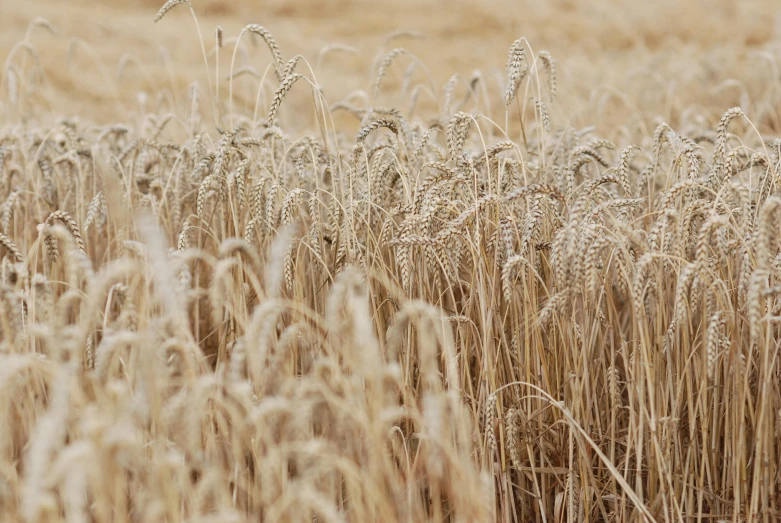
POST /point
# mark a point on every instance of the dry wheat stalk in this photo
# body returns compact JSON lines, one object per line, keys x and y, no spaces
{"x":170,"y":4}
{"x":279,"y":95}
{"x":70,"y":224}
{"x":550,"y":67}
{"x":517,"y":69}
{"x":268,"y":38}
{"x":384,"y":65}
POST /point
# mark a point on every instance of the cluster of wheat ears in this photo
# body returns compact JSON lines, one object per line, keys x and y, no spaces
{"x":428,"y":321}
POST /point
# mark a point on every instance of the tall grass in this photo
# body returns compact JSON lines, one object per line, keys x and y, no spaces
{"x":476,"y":314}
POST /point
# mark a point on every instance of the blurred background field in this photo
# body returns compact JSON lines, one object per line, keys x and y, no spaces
{"x":605,"y":49}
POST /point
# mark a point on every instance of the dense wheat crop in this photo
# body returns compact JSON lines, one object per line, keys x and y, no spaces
{"x":422,"y":301}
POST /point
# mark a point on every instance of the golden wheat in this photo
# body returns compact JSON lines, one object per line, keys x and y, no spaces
{"x":383,"y":314}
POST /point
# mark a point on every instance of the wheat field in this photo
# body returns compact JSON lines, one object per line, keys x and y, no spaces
{"x":320,"y":261}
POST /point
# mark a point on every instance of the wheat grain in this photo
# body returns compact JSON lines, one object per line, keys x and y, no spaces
{"x":516,"y":70}
{"x":384,"y":65}
{"x":170,"y":4}
{"x":550,"y":66}
{"x":268,"y":38}
{"x":543,"y":111}
{"x":70,"y":224}
{"x":279,"y":95}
